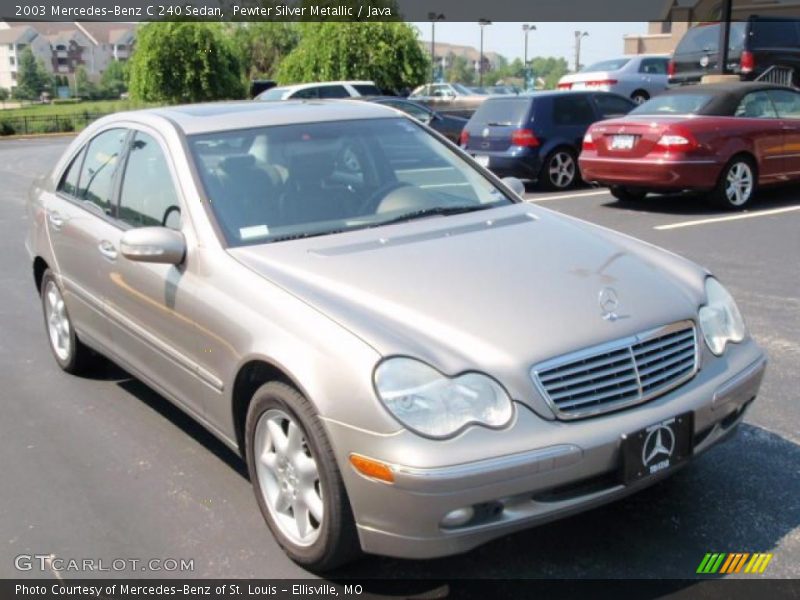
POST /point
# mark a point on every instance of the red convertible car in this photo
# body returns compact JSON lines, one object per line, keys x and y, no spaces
{"x":726,"y":139}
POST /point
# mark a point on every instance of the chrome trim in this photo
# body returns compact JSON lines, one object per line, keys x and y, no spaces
{"x":646,"y":161}
{"x":612,"y":346}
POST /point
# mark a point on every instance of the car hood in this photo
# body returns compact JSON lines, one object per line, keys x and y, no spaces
{"x":497,"y":290}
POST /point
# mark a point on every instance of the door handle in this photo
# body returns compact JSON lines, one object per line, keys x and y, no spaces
{"x":107,"y":249}
{"x":56,"y":220}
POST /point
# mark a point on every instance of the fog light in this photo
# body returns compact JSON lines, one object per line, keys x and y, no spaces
{"x":458,"y":517}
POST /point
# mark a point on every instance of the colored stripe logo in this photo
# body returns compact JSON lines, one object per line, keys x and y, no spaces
{"x":733,"y":562}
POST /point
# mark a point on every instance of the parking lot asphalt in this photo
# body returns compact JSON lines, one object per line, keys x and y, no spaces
{"x":103,"y":467}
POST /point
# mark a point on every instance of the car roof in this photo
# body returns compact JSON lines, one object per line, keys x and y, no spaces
{"x":227,"y":116}
{"x":302,"y":86}
{"x":725,"y":96}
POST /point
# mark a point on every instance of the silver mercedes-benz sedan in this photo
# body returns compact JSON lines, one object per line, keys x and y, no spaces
{"x":411,"y":360}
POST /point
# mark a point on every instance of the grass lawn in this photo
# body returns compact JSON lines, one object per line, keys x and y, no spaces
{"x":94,"y":107}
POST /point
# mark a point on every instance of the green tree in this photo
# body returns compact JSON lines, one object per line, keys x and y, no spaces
{"x":550,"y":69}
{"x":385,"y":52}
{"x":84,"y":87}
{"x":4,"y":94}
{"x":31,"y":77}
{"x":185,"y":62}
{"x":460,"y":70}
{"x":114,"y":80}
{"x":261,"y":46}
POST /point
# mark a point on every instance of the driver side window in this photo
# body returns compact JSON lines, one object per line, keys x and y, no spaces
{"x":148,"y":196}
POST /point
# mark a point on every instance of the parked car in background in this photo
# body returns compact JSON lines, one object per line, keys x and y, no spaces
{"x":636,"y":77}
{"x":481,"y":91}
{"x":258,"y":86}
{"x":327,"y":89}
{"x":450,"y":126}
{"x":452,"y":98}
{"x":538,"y":137}
{"x":410,"y":359}
{"x":758,"y":48}
{"x":725,"y":139}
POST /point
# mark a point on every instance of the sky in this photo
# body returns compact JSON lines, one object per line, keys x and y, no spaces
{"x":550,"y":39}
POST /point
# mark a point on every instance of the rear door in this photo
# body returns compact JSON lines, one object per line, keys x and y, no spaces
{"x":80,"y":224}
{"x":787,"y":105}
{"x":759,"y":119}
{"x":654,"y":74}
{"x":572,"y":115}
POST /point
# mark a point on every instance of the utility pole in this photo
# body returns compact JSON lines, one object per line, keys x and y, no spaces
{"x":579,"y":35}
{"x":724,"y":36}
{"x":527,"y":28}
{"x":483,"y":23}
{"x":433,"y":17}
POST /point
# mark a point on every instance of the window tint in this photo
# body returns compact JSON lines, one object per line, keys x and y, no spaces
{"x":787,"y":103}
{"x":97,"y":175}
{"x":367,"y":90}
{"x":756,"y":106}
{"x":411,"y":109}
{"x":69,"y":182}
{"x":774,"y":34}
{"x":653,"y":66}
{"x":148,"y":195}
{"x":306,"y":93}
{"x":572,"y":110}
{"x":613,"y":106}
{"x":333,"y":91}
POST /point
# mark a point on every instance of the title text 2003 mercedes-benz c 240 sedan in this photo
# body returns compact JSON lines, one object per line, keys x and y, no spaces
{"x":411,"y":360}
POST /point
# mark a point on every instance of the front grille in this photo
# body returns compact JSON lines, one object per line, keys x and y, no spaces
{"x":620,"y":373}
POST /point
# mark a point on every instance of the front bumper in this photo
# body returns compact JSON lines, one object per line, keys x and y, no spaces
{"x":655,"y":174}
{"x":571,"y":467}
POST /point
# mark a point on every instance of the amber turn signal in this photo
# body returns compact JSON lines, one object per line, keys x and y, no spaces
{"x":372,"y":468}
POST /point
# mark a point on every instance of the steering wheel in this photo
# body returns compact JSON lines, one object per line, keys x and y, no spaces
{"x":168,"y":212}
{"x":370,"y":205}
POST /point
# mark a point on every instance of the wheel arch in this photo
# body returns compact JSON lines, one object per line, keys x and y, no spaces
{"x":39,"y":268}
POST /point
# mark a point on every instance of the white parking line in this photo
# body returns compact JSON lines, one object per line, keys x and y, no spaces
{"x":564,"y":196}
{"x":749,"y":215}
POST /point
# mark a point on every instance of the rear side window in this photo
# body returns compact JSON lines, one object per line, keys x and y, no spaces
{"x":653,"y":66}
{"x":787,"y":103}
{"x":96,"y":183}
{"x":333,"y":91}
{"x":148,"y":194}
{"x":774,"y":34}
{"x":306,"y":93}
{"x":69,"y":182}
{"x":502,"y":112}
{"x":572,"y":110}
{"x":613,"y":106}
{"x":756,"y":106}
{"x":367,"y":90}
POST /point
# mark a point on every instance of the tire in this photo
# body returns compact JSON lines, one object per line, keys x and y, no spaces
{"x":627,"y":195}
{"x":640,"y":96}
{"x":309,"y":514}
{"x":70,"y":353}
{"x":739,"y":174}
{"x":559,"y":170}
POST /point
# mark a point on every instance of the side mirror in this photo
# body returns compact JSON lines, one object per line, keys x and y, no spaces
{"x":514,"y":184}
{"x":153,"y":245}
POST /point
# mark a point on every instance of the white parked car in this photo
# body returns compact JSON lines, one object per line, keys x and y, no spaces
{"x":327,"y":89}
{"x":636,"y":77}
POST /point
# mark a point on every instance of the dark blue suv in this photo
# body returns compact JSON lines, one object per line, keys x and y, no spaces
{"x":538,"y":137}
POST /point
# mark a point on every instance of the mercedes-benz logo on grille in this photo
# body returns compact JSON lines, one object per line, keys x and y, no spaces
{"x":658,"y":446}
{"x":609,"y":302}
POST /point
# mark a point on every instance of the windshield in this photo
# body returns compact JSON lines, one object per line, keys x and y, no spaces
{"x":607,"y":65}
{"x":677,"y":104}
{"x":285,"y":182}
{"x":275,"y":93}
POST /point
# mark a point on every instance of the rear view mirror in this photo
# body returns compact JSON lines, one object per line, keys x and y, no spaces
{"x":515,"y":185}
{"x":153,"y":245}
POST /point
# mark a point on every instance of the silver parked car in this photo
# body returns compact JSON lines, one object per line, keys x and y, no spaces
{"x":636,"y":77}
{"x":411,"y":360}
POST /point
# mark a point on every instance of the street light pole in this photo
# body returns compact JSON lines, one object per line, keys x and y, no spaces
{"x":483,"y":23}
{"x":433,"y":17}
{"x":578,"y":36}
{"x":526,"y":28}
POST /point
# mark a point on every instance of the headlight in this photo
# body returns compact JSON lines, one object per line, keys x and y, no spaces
{"x":720,"y":319}
{"x":432,"y":404}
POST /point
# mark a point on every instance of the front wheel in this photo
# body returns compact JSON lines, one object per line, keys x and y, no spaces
{"x":560,"y":170}
{"x":627,"y":195}
{"x":297,"y":483}
{"x":736,"y":185}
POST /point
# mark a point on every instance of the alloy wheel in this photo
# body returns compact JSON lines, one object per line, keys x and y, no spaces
{"x":288,"y":477}
{"x":739,"y":184}
{"x":562,"y":169}
{"x":58,"y":326}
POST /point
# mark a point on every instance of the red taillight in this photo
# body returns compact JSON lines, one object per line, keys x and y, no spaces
{"x":463,"y":139}
{"x":676,"y":140}
{"x":565,"y":86}
{"x":588,"y":142}
{"x":671,"y":68}
{"x":601,"y":83}
{"x":747,"y":62}
{"x":524,"y":137}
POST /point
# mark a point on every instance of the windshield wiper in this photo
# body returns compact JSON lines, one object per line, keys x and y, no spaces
{"x":436,"y":210}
